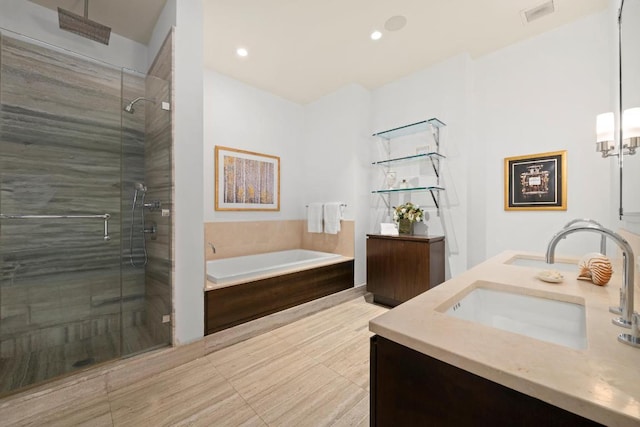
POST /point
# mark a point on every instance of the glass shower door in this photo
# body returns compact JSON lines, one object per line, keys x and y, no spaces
{"x":146,"y":207}
{"x":60,"y":199}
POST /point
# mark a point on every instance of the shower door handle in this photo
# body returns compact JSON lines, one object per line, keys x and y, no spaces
{"x":104,"y":217}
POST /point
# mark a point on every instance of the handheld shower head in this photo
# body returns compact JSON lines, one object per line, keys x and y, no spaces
{"x":139,"y":188}
{"x":129,"y":107}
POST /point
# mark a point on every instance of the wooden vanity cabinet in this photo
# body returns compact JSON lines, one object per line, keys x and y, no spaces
{"x":408,"y":388}
{"x":401,"y":267}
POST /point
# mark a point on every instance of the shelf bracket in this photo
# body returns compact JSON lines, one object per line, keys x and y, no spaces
{"x":435,"y":167}
{"x":435,"y":201}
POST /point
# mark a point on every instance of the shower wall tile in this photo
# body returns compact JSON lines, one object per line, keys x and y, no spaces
{"x":157,"y":305}
{"x":162,"y":65}
{"x":133,"y":141}
{"x":60,"y":155}
{"x":14,"y":317}
{"x":61,"y":142}
{"x":159,"y":177}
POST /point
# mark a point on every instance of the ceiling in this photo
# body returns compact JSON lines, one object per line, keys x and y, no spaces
{"x":304,"y":49}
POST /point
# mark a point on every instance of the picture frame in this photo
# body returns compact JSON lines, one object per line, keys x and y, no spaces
{"x":536,"y":182}
{"x":246,"y":181}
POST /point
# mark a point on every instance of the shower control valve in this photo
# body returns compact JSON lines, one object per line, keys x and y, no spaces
{"x":152,"y":230}
{"x":155,"y":204}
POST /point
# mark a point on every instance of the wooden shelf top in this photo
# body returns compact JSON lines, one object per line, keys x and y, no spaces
{"x":414,"y":237}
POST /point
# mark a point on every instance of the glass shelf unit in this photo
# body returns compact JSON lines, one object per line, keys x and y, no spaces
{"x":432,"y":127}
{"x":422,"y":126}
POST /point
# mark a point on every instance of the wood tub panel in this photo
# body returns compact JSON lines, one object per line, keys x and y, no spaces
{"x":236,"y":304}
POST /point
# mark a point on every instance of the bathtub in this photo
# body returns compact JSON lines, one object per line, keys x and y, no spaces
{"x":250,"y":267}
{"x":245,"y":288}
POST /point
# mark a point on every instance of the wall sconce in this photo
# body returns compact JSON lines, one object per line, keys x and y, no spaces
{"x":605,"y":128}
{"x":631,"y":130}
{"x":605,"y":141}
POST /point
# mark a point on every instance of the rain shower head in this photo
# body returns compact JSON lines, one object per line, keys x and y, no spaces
{"x":140,"y":187}
{"x":129,"y":107}
{"x":83,"y":26}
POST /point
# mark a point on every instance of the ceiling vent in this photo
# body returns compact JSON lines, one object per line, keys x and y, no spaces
{"x":537,"y":12}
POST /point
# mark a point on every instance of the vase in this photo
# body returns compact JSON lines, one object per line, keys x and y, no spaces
{"x":405,"y":226}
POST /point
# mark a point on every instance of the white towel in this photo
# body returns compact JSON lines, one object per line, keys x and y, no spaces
{"x":314,"y":218}
{"x":332,"y":217}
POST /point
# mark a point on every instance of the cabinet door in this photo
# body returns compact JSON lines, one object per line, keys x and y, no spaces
{"x":410,"y":269}
{"x":397,"y":269}
{"x":380,"y":267}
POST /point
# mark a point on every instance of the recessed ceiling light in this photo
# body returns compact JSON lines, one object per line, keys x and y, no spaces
{"x":242,"y":52}
{"x":395,"y":23}
{"x":376,"y":35}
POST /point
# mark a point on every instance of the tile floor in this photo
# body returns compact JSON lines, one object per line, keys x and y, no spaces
{"x":313,"y":372}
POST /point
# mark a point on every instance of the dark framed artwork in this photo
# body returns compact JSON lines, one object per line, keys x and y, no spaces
{"x":536,"y":182}
{"x":246,"y":181}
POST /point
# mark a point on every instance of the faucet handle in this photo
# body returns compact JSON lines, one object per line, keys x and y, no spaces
{"x":632,"y":339}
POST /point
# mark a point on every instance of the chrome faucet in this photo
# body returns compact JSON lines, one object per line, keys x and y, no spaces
{"x":628,"y":318}
{"x":213,"y":248}
{"x":603,"y":238}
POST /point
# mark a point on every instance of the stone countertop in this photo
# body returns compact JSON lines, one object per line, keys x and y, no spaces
{"x":601,"y":382}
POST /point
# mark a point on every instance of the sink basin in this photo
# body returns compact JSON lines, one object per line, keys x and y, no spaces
{"x":554,"y":321}
{"x":541,"y":264}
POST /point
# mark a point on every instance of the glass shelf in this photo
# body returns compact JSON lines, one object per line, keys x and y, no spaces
{"x":432,"y":190}
{"x":410,"y":129}
{"x":409,"y":158}
{"x":400,"y":190}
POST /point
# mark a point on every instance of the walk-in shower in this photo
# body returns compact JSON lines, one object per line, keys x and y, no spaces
{"x":77,"y":287}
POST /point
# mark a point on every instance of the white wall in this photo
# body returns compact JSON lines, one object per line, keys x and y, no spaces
{"x":41,"y":23}
{"x":188,"y":172}
{"x":239,"y":116}
{"x":336,"y":159}
{"x":442,"y":91}
{"x":543,"y":95}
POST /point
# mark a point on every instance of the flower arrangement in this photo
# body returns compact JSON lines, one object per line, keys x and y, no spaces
{"x":408,"y":211}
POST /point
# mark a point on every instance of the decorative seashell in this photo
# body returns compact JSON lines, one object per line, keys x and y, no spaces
{"x":595,"y":267}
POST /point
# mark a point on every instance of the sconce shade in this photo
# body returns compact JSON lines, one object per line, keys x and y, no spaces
{"x":631,"y":123}
{"x":605,"y":125}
